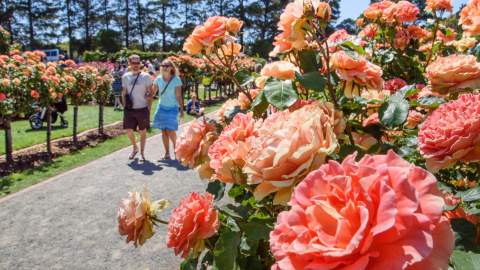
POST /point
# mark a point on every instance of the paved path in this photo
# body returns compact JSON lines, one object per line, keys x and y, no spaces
{"x":69,"y":222}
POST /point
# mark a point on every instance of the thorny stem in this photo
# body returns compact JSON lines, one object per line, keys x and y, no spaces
{"x":435,"y":30}
{"x":159,"y":220}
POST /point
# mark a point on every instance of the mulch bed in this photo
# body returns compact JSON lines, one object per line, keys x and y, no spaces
{"x":36,"y":156}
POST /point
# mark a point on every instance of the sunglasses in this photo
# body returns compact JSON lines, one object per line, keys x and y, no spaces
{"x":134,"y":63}
{"x":165,"y":66}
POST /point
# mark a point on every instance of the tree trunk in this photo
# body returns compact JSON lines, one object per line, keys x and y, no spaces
{"x":127,"y":25}
{"x":100,"y":119}
{"x":221,"y":7}
{"x":88,"y":40}
{"x":186,"y":13}
{"x":265,"y":19}
{"x":242,"y":17}
{"x":8,"y":140}
{"x":105,"y":11}
{"x":140,"y":24}
{"x":49,"y":133}
{"x":30,"y":25}
{"x":75,"y":122}
{"x":163,"y":28}
{"x":69,"y":28}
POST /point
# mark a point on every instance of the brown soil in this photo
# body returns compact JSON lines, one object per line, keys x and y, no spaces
{"x":36,"y":155}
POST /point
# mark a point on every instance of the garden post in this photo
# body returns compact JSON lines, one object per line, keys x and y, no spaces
{"x":100,"y":119}
{"x":75,"y":118}
{"x":49,"y":132}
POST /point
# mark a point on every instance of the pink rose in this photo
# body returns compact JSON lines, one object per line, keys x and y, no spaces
{"x":394,"y":85}
{"x":193,"y":221}
{"x":375,"y":10}
{"x":452,"y":133}
{"x":401,"y":12}
{"x":192,"y":145}
{"x":470,"y":18}
{"x":369,"y":32}
{"x":281,"y":70}
{"x":288,"y":146}
{"x":453,"y":73}
{"x":357,"y":70}
{"x":371,"y":120}
{"x":414,"y":119}
{"x":379,"y":213}
{"x":442,"y":5}
{"x":3,"y":97}
{"x":228,"y":153}
{"x":135,"y":217}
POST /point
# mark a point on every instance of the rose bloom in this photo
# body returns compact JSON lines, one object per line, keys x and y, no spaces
{"x":34,"y":94}
{"x":5,"y":82}
{"x":135,"y":218}
{"x":260,"y":81}
{"x":463,"y":44}
{"x":360,"y":22}
{"x":364,"y":141}
{"x":3,"y":97}
{"x":244,"y":101}
{"x":442,"y":5}
{"x":281,"y":45}
{"x":192,"y":145}
{"x":323,"y":10}
{"x":470,"y":18}
{"x":414,"y":119}
{"x":234,"y":25}
{"x":290,"y":22}
{"x":192,"y":46}
{"x":288,"y":146}
{"x":281,"y":70}
{"x":337,"y":37}
{"x":193,"y":221}
{"x":379,"y":213}
{"x":358,"y":70}
{"x":229,"y":105}
{"x":373,"y":119}
{"x":417,"y":32}
{"x":369,"y":31}
{"x":227,"y":154}
{"x":453,"y":73}
{"x":230,"y":49}
{"x":212,"y":30}
{"x":452,"y":133}
{"x":375,"y":10}
{"x":402,"y":38}
{"x":401,"y":12}
{"x":458,"y":212}
{"x":394,"y":85}
{"x":449,"y":37}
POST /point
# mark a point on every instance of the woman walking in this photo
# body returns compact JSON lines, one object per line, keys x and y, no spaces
{"x":169,"y":86}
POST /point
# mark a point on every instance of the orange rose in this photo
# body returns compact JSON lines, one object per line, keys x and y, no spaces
{"x":401,"y":12}
{"x":463,"y":44}
{"x":282,"y":70}
{"x":414,"y":119}
{"x":192,"y":46}
{"x":357,"y":70}
{"x":230,"y":49}
{"x":234,"y":25}
{"x":212,"y":30}
{"x":192,"y":145}
{"x":375,"y":10}
{"x":417,"y":32}
{"x":369,"y":32}
{"x":323,"y":11}
{"x":470,"y":18}
{"x":442,"y":5}
{"x":453,"y":73}
{"x":402,"y":38}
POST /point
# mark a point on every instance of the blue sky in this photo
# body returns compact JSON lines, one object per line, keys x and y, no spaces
{"x":353,"y":8}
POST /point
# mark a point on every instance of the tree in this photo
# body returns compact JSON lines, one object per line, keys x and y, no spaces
{"x":347,"y":24}
{"x":108,"y":40}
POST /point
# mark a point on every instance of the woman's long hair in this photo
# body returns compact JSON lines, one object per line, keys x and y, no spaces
{"x":174,"y":70}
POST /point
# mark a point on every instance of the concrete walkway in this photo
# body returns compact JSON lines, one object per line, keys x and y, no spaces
{"x":69,"y":222}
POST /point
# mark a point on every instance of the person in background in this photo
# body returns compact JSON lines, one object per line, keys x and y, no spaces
{"x":138,"y":86}
{"x":193,"y":106}
{"x":169,"y":86}
{"x":117,"y":86}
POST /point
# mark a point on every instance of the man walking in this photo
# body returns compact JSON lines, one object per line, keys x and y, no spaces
{"x":136,"y":95}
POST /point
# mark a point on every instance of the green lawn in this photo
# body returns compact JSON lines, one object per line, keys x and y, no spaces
{"x":21,"y":180}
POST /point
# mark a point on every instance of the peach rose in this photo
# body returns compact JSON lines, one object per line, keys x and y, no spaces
{"x":357,"y":70}
{"x":450,"y":36}
{"x":3,"y":97}
{"x":5,"y":82}
{"x":136,"y":216}
{"x":379,"y":213}
{"x":281,"y":70}
{"x":230,"y":49}
{"x":192,"y":46}
{"x":323,"y":11}
{"x":417,"y":32}
{"x":463,"y":44}
{"x":281,"y":45}
{"x":212,"y":30}
{"x":192,"y":145}
{"x":360,"y":22}
{"x":337,"y":37}
{"x":414,"y":119}
{"x":260,"y":81}
{"x":454,"y":72}
{"x":373,"y":119}
{"x":441,"y":5}
{"x":452,"y":133}
{"x":369,"y":32}
{"x":394,"y":85}
{"x":401,"y":12}
{"x":193,"y":221}
{"x":288,"y":146}
{"x":234,"y":25}
{"x":375,"y":10}
{"x":244,"y":101}
{"x":364,"y":141}
{"x":228,"y":153}
{"x":402,"y":38}
{"x":470,"y":18}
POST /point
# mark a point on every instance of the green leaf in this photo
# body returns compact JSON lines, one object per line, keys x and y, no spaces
{"x":229,"y":114}
{"x":244,"y":77}
{"x":217,"y":189}
{"x":312,"y":80}
{"x":465,"y":260}
{"x":190,"y":263}
{"x":395,"y":111}
{"x":257,"y":231}
{"x":430,"y":102}
{"x":236,"y":211}
{"x":260,"y":104}
{"x":349,"y":45}
{"x":308,"y":61}
{"x":280,"y":93}
{"x":470,"y":195}
{"x":465,"y":233}
{"x":207,"y":260}
{"x":226,"y":250}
